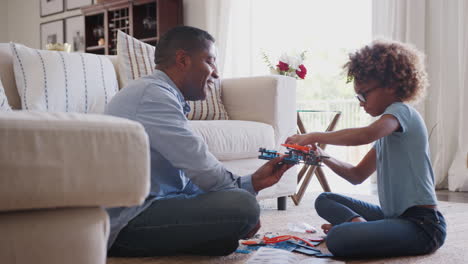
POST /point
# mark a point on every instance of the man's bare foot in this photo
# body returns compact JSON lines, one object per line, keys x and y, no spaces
{"x":326,"y":228}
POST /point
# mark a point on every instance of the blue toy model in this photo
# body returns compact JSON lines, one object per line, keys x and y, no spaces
{"x":267,"y":154}
{"x":295,"y":155}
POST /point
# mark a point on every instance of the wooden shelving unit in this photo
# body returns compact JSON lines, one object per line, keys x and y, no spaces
{"x":145,"y":20}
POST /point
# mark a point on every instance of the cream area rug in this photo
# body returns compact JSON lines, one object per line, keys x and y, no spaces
{"x":455,"y":249}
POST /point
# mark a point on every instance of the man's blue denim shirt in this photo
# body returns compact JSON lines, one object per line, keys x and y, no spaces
{"x":181,"y":164}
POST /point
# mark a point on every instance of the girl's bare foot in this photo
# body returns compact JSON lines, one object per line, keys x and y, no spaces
{"x":358,"y":219}
{"x":326,"y":227}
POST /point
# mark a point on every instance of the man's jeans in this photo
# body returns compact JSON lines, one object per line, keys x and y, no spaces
{"x":418,"y":230}
{"x":208,"y":224}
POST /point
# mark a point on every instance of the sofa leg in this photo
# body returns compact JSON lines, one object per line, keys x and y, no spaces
{"x":282,"y":203}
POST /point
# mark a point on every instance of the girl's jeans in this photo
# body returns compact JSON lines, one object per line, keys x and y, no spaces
{"x":418,"y":230}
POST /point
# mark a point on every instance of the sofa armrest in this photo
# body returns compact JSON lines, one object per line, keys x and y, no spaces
{"x":267,"y":99}
{"x":50,"y":160}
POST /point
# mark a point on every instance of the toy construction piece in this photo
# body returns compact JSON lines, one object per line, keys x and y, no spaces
{"x":295,"y":154}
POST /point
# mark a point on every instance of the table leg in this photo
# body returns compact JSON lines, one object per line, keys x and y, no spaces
{"x":331,"y":126}
{"x":300,"y":193}
{"x":300,"y":125}
{"x":310,"y":170}
{"x":282,"y":203}
{"x":322,"y":179}
{"x":302,"y":172}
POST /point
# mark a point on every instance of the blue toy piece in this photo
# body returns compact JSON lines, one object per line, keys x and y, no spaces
{"x":267,"y":154}
{"x":293,"y":156}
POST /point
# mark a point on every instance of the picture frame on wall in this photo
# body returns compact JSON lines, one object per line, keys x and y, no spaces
{"x":75,"y":33}
{"x":74,"y":4}
{"x":52,"y":32}
{"x":50,"y":7}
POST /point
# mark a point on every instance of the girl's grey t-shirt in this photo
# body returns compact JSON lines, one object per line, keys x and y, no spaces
{"x":404,"y":171}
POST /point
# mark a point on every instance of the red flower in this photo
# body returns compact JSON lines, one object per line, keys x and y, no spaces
{"x":283,"y":66}
{"x":302,"y":71}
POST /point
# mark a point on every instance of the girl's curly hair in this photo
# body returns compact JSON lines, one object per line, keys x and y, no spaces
{"x":392,"y":64}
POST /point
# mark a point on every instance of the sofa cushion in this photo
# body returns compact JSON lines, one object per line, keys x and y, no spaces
{"x":4,"y":106}
{"x":72,"y":236}
{"x":136,"y":59}
{"x":63,"y":82}
{"x":51,"y":160}
{"x":7,"y":75}
{"x":234,"y":139}
{"x":212,"y":108}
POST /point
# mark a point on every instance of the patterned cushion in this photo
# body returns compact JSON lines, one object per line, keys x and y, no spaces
{"x":136,"y":59}
{"x":4,"y":106}
{"x":212,"y":108}
{"x":63,"y":82}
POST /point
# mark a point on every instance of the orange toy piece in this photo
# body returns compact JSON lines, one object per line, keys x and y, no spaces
{"x":297,"y":147}
{"x":249,"y":242}
{"x":273,"y":240}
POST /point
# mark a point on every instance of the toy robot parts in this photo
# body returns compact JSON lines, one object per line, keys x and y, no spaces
{"x":296,"y":154}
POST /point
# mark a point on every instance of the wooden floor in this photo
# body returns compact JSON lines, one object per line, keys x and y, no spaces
{"x":339,"y":185}
{"x":442,"y":195}
{"x":448,"y":196}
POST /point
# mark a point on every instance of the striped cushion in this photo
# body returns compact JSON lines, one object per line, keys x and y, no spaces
{"x":63,"y":82}
{"x":210,"y":109}
{"x":4,"y":106}
{"x":136,"y":59}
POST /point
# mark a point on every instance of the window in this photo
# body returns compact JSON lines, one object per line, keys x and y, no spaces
{"x":328,"y":31}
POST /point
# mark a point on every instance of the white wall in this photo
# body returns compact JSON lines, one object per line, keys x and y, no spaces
{"x":24,"y":21}
{"x":3,"y":20}
{"x":194,"y":11}
{"x":20,"y":19}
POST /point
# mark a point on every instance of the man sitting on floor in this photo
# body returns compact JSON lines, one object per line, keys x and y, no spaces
{"x":195,"y":205}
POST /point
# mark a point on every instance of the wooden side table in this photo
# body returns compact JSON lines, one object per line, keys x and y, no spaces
{"x":307,"y":171}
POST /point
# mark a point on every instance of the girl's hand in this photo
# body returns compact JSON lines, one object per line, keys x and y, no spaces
{"x":299,"y":140}
{"x":319,"y":151}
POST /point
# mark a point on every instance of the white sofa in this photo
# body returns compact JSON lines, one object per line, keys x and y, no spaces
{"x":57,"y":170}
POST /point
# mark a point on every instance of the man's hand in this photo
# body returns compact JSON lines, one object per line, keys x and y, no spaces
{"x":269,"y":174}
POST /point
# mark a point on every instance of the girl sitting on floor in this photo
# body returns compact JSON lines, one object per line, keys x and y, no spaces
{"x":386,"y":76}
